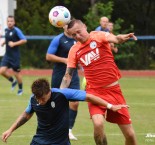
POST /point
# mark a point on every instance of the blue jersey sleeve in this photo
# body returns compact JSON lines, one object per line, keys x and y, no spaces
{"x":52,"y":49}
{"x":20,"y":34}
{"x":72,"y":94}
{"x":29,"y":108}
{"x":98,"y":28}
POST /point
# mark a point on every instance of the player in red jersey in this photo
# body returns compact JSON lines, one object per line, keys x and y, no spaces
{"x":93,"y":52}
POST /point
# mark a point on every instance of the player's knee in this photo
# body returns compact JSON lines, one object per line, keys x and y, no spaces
{"x":130,"y":135}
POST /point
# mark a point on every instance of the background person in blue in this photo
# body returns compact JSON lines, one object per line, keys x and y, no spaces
{"x":52,"y":110}
{"x":13,"y":38}
{"x":57,"y":53}
{"x":103,"y":24}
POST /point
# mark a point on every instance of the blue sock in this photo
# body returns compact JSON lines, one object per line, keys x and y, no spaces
{"x":72,"y":117}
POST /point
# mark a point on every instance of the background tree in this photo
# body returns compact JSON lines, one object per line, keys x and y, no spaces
{"x":32,"y":18}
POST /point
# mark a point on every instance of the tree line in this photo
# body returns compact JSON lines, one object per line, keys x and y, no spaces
{"x":128,"y":16}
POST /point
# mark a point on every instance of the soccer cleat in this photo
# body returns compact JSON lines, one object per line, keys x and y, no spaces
{"x":71,"y":136}
{"x":13,"y":85}
{"x":20,"y":92}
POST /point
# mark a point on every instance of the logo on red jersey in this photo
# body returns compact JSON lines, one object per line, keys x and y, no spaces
{"x":93,"y":45}
{"x":92,"y":55}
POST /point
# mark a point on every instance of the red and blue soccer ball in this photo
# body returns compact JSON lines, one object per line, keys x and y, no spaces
{"x":59,"y":16}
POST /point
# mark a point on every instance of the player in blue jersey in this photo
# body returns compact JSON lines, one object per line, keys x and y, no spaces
{"x":57,"y":53}
{"x":13,"y":38}
{"x":52,"y":110}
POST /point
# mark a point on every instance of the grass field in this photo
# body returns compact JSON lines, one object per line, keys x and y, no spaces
{"x":139,"y":93}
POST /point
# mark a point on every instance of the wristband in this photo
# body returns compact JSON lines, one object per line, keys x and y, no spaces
{"x":109,"y":106}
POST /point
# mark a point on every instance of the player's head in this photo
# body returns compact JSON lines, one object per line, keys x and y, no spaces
{"x":110,"y":26}
{"x":104,"y":22}
{"x":10,"y":21}
{"x":41,"y":90}
{"x":78,"y":30}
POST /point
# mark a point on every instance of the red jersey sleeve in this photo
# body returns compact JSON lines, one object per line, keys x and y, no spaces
{"x":72,"y":60}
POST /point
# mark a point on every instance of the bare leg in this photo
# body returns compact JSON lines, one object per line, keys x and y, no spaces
{"x":18,"y":77}
{"x":129,"y":134}
{"x":3,"y":72}
{"x":99,"y":135}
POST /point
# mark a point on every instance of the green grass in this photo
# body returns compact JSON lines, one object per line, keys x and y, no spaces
{"x":139,"y":93}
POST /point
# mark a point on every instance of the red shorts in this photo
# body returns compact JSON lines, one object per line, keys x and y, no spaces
{"x":112,"y":95}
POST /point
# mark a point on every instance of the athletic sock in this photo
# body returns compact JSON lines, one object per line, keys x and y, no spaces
{"x":72,"y":117}
{"x":11,"y":79}
{"x":20,"y":86}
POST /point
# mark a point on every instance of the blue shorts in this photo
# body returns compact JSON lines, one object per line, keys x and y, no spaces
{"x":15,"y":65}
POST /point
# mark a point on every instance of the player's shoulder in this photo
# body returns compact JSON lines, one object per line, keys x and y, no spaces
{"x":98,"y":34}
{"x":57,"y":37}
{"x":76,"y":46}
{"x":17,"y":28}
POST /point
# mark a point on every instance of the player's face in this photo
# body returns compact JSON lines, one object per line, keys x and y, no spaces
{"x":10,"y":22}
{"x":110,"y":27}
{"x":104,"y":22}
{"x":79,"y":32}
{"x":43,"y":100}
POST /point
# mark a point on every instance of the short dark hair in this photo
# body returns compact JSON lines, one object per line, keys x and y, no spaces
{"x":73,"y":22}
{"x":10,"y":16}
{"x":40,"y":87}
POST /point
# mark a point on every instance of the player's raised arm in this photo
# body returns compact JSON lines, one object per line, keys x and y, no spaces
{"x":67,"y":78}
{"x":120,"y":38}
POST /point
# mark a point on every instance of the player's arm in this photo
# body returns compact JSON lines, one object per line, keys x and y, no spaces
{"x":22,"y":119}
{"x":3,"y":43}
{"x":98,"y":101}
{"x":120,"y":38}
{"x":17,"y":43}
{"x":67,"y":78}
{"x":54,"y":58}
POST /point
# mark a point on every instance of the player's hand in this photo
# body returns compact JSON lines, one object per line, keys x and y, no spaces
{"x":5,"y":135}
{"x":131,"y":35}
{"x":115,"y":108}
{"x":11,"y":44}
{"x":124,"y":37}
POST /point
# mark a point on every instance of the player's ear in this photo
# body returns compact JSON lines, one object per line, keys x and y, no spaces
{"x":85,"y":26}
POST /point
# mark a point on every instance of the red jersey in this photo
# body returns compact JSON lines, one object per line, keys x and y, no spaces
{"x":97,"y":60}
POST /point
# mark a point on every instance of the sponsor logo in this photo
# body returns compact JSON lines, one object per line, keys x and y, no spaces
{"x":90,"y":57}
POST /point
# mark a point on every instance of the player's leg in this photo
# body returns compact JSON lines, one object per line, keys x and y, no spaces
{"x":4,"y":72}
{"x":73,"y":109}
{"x":19,"y":80}
{"x":129,"y":134}
{"x":99,"y":135}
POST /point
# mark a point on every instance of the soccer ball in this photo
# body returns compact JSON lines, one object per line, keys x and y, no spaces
{"x":59,"y":16}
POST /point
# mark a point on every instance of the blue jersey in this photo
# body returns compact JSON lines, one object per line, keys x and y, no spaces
{"x":99,"y":28}
{"x":14,"y":35}
{"x":53,"y":117}
{"x":60,"y":46}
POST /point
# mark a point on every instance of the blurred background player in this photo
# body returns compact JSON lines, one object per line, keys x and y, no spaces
{"x":13,"y":38}
{"x":110,"y":27}
{"x":103,"y":24}
{"x":58,"y":53}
